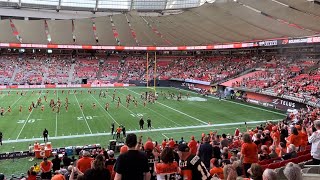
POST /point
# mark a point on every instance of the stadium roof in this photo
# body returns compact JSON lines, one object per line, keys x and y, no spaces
{"x":209,"y":24}
{"x":102,"y":5}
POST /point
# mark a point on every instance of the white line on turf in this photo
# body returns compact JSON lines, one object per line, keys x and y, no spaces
{"x":274,"y":112}
{"x":14,"y":103}
{"x":165,"y":136}
{"x":105,"y":110}
{"x":83,"y":114}
{"x":174,"y":109}
{"x":142,"y":131}
{"x":27,"y":120}
{"x":158,"y":113}
{"x":56,"y":131}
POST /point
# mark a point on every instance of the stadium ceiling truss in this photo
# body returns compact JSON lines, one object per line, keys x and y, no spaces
{"x":257,"y":23}
{"x":103,"y":5}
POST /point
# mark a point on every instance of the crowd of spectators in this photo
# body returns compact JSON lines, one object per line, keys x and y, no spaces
{"x":253,"y":153}
{"x":284,"y":76}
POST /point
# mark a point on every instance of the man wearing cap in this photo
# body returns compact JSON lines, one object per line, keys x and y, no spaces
{"x":314,"y":138}
{"x":132,"y":164}
{"x":110,"y":163}
{"x":191,"y":166}
{"x":84,"y":163}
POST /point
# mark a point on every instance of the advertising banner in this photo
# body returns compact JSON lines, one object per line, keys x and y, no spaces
{"x":273,"y":102}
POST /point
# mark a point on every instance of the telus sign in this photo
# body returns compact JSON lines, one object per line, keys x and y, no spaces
{"x":284,"y":103}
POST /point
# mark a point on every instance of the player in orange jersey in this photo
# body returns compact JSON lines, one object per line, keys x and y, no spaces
{"x":9,"y":109}
{"x":135,"y":103}
{"x":42,"y":108}
{"x":118,"y":104}
{"x":30,"y":109}
{"x":107,"y":107}
{"x":20,"y":108}
{"x":144,"y":103}
{"x":66,"y":107}
{"x":45,"y":98}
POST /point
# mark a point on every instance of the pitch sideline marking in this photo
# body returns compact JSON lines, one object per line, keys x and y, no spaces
{"x":105,"y":110}
{"x":159,"y":114}
{"x":56,"y":131}
{"x":139,"y":131}
{"x":27,"y":119}
{"x":83,"y":114}
{"x":173,"y":109}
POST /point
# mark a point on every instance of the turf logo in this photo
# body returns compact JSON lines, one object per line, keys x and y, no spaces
{"x":196,"y":99}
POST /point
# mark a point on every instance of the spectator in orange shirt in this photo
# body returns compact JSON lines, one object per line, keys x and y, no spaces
{"x":216,"y":170}
{"x":46,"y":166}
{"x":304,"y":139}
{"x":249,"y":153}
{"x":84,"y":163}
{"x":171,"y":143}
{"x":275,"y":135}
{"x":281,"y":149}
{"x":193,"y":146}
{"x":58,"y":177}
{"x":294,"y":138}
{"x":164,"y":143}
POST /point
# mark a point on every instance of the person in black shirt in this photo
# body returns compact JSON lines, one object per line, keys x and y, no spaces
{"x":191,"y":166}
{"x":45,"y":135}
{"x":205,"y":152}
{"x":149,"y":123}
{"x":124,"y":131}
{"x":141,"y":123}
{"x":112,"y":128}
{"x":132,"y":164}
{"x":1,"y":138}
{"x":151,"y":160}
{"x":56,"y":163}
{"x":66,"y":160}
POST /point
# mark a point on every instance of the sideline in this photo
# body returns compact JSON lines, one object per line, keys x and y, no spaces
{"x":139,"y":131}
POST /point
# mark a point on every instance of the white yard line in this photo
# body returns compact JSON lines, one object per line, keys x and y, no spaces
{"x":13,"y":104}
{"x":26,"y":121}
{"x":274,"y":112}
{"x":159,"y":114}
{"x":174,"y":109}
{"x":165,"y":136}
{"x":83,"y":114}
{"x":105,"y":111}
{"x":56,"y":131}
{"x":139,"y":131}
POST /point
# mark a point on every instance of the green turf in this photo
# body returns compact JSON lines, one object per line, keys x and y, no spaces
{"x":166,"y":114}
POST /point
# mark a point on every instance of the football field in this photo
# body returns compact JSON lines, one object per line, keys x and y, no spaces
{"x":91,"y":125}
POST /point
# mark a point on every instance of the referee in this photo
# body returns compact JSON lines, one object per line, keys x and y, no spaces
{"x":0,"y":138}
{"x":141,"y":123}
{"x":149,"y":123}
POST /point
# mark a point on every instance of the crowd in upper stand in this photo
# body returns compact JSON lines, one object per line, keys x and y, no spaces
{"x":280,"y":75}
